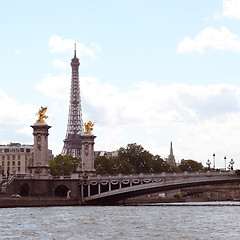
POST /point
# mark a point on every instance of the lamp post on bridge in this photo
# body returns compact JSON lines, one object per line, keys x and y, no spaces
{"x":225,"y":159}
{"x":231,"y":164}
{"x":208,"y":164}
{"x":213,"y":160}
{"x":142,"y":165}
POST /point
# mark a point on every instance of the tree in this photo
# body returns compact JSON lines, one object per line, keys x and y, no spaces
{"x":103,"y":165}
{"x":159,"y":165}
{"x":63,"y":165}
{"x":135,"y":155}
{"x":190,"y":165}
{"x":111,"y":166}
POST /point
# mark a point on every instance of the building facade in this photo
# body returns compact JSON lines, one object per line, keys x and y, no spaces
{"x":15,"y":158}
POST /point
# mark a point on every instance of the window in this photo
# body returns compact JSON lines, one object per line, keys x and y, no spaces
{"x":3,"y":157}
{"x":8,"y":157}
{"x":21,"y":149}
{"x":19,"y":163}
{"x":3,"y":162}
{"x":18,"y":169}
{"x":13,"y":157}
{"x":6,"y":150}
{"x":19,"y":157}
{"x":13,"y":163}
{"x":8,"y":163}
{"x":28,"y":150}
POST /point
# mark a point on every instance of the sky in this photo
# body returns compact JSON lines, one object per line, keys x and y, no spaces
{"x":151,"y":72}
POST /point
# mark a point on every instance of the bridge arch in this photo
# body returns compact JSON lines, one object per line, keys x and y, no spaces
{"x":61,"y":191}
{"x":141,"y":185}
{"x":24,"y":190}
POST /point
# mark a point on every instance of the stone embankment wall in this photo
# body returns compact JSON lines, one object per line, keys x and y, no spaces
{"x":36,"y":202}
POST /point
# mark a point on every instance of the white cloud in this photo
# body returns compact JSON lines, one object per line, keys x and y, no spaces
{"x":231,"y":9}
{"x":96,"y":46}
{"x":13,"y":113}
{"x":56,"y":87}
{"x":27,"y":131}
{"x":59,"y":45}
{"x":211,"y":38}
{"x":199,"y":120}
{"x":60,"y":64}
{"x":18,"y":52}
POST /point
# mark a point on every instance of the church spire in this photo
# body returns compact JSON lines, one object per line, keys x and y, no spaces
{"x":171,"y":158}
{"x":171,"y":149}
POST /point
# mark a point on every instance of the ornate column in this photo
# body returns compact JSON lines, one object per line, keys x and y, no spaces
{"x":87,"y":166}
{"x":40,"y":166}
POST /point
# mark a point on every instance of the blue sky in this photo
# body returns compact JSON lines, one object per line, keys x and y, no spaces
{"x":151,"y":72}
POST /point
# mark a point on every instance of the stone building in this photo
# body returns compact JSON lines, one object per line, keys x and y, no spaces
{"x":15,"y":157}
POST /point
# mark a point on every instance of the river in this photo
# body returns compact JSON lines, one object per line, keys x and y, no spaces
{"x":218,"y":220}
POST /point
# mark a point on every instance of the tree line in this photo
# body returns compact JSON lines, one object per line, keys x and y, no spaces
{"x":132,"y":159}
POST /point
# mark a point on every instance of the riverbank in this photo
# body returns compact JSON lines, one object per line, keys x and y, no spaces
{"x":9,"y":202}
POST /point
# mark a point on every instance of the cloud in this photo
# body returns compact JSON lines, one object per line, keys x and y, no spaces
{"x":210,"y":38}
{"x":58,"y":44}
{"x":18,"y":52}
{"x":13,"y":113}
{"x":58,"y":87}
{"x":148,"y":104}
{"x":198,"y":119}
{"x":60,"y":64}
{"x":231,"y":9}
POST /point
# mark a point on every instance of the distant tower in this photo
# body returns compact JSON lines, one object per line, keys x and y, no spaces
{"x":73,"y":143}
{"x":171,"y":159}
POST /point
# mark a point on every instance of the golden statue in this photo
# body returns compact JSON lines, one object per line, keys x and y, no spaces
{"x":88,"y":127}
{"x":41,"y":115}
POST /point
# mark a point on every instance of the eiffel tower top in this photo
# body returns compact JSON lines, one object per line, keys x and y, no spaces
{"x":75,"y":60}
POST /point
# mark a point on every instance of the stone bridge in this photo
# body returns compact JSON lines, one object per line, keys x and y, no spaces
{"x":109,"y":190}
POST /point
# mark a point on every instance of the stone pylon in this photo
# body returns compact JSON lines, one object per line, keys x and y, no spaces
{"x":40,"y":166}
{"x":87,"y":165}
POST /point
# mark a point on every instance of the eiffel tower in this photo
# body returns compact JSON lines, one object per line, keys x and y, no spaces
{"x":73,"y":143}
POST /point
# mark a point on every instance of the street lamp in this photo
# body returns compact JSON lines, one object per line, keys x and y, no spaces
{"x":74,"y":165}
{"x":62,"y":168}
{"x":213,"y":160}
{"x":114,"y":168}
{"x":225,"y":162}
{"x":142,"y":165}
{"x":231,"y":164}
{"x":208,"y":163}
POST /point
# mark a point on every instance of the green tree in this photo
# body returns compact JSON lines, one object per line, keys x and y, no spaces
{"x":63,"y":165}
{"x":137,"y":156}
{"x":159,"y":165}
{"x":111,"y":166}
{"x":103,"y":165}
{"x":190,"y":165}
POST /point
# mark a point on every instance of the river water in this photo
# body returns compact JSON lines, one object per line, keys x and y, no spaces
{"x":218,"y":220}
